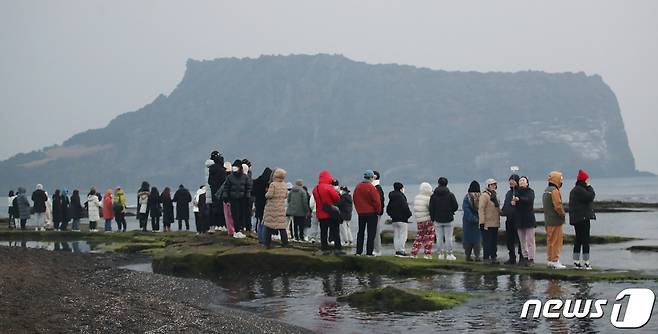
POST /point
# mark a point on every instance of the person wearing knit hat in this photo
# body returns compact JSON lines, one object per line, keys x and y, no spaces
{"x":511,"y":230}
{"x":472,"y":238}
{"x":554,"y":215}
{"x":581,"y":212}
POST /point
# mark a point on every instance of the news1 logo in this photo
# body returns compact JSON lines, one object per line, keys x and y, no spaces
{"x":637,"y":314}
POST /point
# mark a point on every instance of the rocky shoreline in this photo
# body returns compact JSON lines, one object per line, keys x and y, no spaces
{"x":43,"y":291}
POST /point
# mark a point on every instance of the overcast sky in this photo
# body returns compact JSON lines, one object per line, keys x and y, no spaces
{"x":67,"y":66}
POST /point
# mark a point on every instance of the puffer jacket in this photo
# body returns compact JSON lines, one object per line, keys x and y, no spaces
{"x":398,"y":208}
{"x":93,"y":208}
{"x":108,"y":209}
{"x":443,"y":205}
{"x":581,"y":203}
{"x":23,"y":206}
{"x":274,"y":215}
{"x":142,"y":204}
{"x":422,"y":203}
{"x":524,"y":212}
{"x":237,"y":186}
{"x":346,"y":206}
{"x":297,"y":202}
{"x":324,"y":193}
{"x":552,"y":200}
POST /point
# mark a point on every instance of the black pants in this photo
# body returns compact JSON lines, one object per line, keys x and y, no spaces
{"x":512,"y":238}
{"x":120,"y":218}
{"x":238,"y":213}
{"x":268,"y":236}
{"x":92,"y":225}
{"x":582,"y":237}
{"x":200,"y":225}
{"x":63,"y":225}
{"x":368,"y":222}
{"x":490,"y":236}
{"x":23,"y":223}
{"x":56,"y":225}
{"x":329,"y":227}
{"x":298,"y":223}
{"x":246,"y":214}
{"x":155,"y":223}
{"x":187,"y":224}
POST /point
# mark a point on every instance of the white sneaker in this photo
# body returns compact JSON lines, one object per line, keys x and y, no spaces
{"x":558,"y":265}
{"x":441,"y":256}
{"x":236,"y":235}
{"x":427,"y":257}
{"x":587,"y":266}
{"x":451,"y":257}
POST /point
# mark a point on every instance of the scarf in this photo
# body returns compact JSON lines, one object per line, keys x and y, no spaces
{"x":494,"y":198}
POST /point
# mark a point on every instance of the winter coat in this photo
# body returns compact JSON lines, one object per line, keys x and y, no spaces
{"x":398,"y":208}
{"x":195,"y":201}
{"x":167,"y":209}
{"x":443,"y":205}
{"x":93,"y":208}
{"x":552,"y":200}
{"x":39,"y":198}
{"x":581,"y":203}
{"x":524,"y":213}
{"x":66,"y":208}
{"x":470,"y":220}
{"x":297,"y":202}
{"x":488,"y":213}
{"x":154,"y":208}
{"x":382,"y":202}
{"x":58,"y":210}
{"x":274,"y":215}
{"x":258,"y":191}
{"x":108,"y":207}
{"x":366,"y":199}
{"x":324,"y":193}
{"x":143,"y":204}
{"x":346,"y":206}
{"x":216,"y":174}
{"x":12,"y":208}
{"x":23,"y":206}
{"x":119,"y":203}
{"x":182,"y":198}
{"x":77,"y":210}
{"x":508,"y":209}
{"x":422,"y":203}
{"x":237,"y":186}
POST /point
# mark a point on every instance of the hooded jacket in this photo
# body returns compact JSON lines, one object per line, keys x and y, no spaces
{"x":182,"y":198}
{"x":422,"y":203}
{"x":23,"y":204}
{"x":346,"y":205}
{"x":398,"y":208}
{"x":39,"y":198}
{"x":297,"y":202}
{"x":77,"y":210}
{"x":274,"y":215}
{"x":581,"y":203}
{"x":93,"y":208}
{"x":120,"y":200}
{"x":324,"y":193}
{"x":554,"y":213}
{"x":108,"y":210}
{"x":443,"y":205}
{"x":237,"y":186}
{"x":142,"y":204}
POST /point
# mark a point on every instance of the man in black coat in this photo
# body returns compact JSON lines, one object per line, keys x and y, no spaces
{"x":39,"y":198}
{"x":511,"y":231}
{"x":398,"y":210}
{"x":182,"y":198}
{"x":216,"y":177}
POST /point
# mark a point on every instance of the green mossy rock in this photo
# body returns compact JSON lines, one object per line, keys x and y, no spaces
{"x":391,"y":299}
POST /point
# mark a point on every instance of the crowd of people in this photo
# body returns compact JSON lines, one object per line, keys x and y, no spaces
{"x":283,"y":211}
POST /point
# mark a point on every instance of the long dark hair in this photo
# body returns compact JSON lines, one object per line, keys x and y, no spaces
{"x":11,"y":193}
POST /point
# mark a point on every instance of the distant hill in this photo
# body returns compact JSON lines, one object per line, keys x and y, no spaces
{"x":306,"y":113}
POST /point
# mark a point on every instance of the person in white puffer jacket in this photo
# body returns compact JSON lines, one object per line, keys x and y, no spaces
{"x":425,"y":234}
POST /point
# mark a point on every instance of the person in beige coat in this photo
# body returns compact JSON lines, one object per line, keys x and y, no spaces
{"x":274,"y":215}
{"x":489,"y":217}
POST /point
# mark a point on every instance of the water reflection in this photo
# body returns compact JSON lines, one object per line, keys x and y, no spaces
{"x":77,"y":246}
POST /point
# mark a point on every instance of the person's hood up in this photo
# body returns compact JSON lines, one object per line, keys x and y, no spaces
{"x":555,"y":178}
{"x":120,"y":192}
{"x":279,"y":174}
{"x":441,"y":191}
{"x":425,"y":189}
{"x":326,"y":177}
{"x":39,"y":186}
{"x":209,"y":163}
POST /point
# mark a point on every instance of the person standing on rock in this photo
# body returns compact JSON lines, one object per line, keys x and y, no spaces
{"x":398,"y":210}
{"x":215,"y":176}
{"x":368,"y":205}
{"x":472,"y":239}
{"x":167,"y":209}
{"x":108,"y":209}
{"x":142,"y":205}
{"x":13,"y":216}
{"x":66,"y":210}
{"x":77,"y":210}
{"x":328,"y":214}
{"x":524,"y":220}
{"x":249,"y":207}
{"x":298,"y":209}
{"x":259,"y":190}
{"x":489,"y":215}
{"x":554,"y":216}
{"x":511,"y":232}
{"x":154,"y":208}
{"x":443,"y":206}
{"x":197,"y":206}
{"x":581,"y":211}
{"x":425,"y":230}
{"x":237,"y":190}
{"x":58,"y":211}
{"x":22,"y":207}
{"x":378,"y":236}
{"x":119,"y":208}
{"x":182,"y":198}
{"x":274,"y":214}
{"x":39,"y":199}
{"x":346,"y":207}
{"x":93,"y":209}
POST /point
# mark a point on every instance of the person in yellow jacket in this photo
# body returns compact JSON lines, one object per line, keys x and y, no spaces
{"x":119,"y":207}
{"x":554,"y":217}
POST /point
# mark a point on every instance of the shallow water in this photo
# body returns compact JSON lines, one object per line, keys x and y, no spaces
{"x":78,"y":246}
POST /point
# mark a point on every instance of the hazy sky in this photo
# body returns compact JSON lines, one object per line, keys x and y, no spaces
{"x":67,"y":66}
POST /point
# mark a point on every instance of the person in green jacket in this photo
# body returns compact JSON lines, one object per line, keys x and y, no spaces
{"x":554,"y":217}
{"x":298,"y":209}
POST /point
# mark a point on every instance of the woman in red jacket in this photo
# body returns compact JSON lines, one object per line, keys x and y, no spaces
{"x":326,"y":196}
{"x":108,"y":210}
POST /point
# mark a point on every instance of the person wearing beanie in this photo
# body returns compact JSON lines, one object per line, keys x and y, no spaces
{"x":378,"y":236}
{"x":581,"y":212}
{"x":368,"y":205}
{"x":472,"y":238}
{"x":425,"y":235}
{"x":236,"y":193}
{"x":554,"y":215}
{"x":398,"y":210}
{"x":443,"y":206}
{"x":524,"y":221}
{"x":511,"y":232}
{"x":489,"y":215}
{"x":297,"y":209}
{"x":346,"y":206}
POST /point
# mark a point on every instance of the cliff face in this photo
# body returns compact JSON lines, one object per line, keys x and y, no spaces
{"x":307,"y":113}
